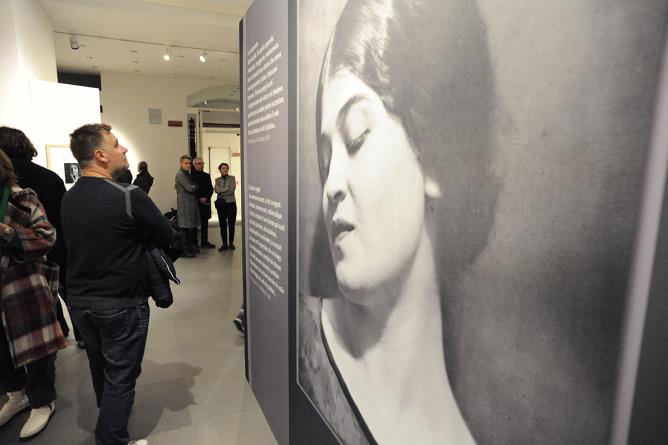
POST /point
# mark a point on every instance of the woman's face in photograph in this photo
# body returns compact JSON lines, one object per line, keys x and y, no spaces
{"x":373,"y":187}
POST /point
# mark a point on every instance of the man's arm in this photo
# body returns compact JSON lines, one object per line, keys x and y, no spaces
{"x":186,"y":184}
{"x":155,"y":225}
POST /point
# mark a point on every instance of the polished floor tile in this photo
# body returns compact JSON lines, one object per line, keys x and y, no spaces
{"x":192,"y":389}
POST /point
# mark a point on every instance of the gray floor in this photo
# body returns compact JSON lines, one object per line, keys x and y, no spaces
{"x":192,"y":389}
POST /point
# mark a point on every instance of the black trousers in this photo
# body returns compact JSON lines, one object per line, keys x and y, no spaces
{"x":227,"y":216}
{"x":38,"y":378}
{"x":204,"y":215}
{"x":115,"y":342}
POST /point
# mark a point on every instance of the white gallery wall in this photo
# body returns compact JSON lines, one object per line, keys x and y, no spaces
{"x":32,"y":100}
{"x":58,"y":109}
{"x":34,"y":40}
{"x":126,"y":99}
{"x":27,"y":52}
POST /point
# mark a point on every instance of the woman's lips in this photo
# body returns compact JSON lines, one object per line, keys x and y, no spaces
{"x":340,"y":230}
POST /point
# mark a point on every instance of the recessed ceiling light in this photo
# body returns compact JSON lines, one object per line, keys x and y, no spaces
{"x":167,"y":57}
{"x":237,"y":108}
{"x":89,"y":58}
{"x":202,"y":57}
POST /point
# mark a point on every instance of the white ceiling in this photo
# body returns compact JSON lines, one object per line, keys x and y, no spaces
{"x":132,"y":35}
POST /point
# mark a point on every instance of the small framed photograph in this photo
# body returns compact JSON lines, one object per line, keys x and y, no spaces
{"x":59,"y":159}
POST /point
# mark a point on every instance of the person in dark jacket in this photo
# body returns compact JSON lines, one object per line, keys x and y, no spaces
{"x":204,"y":193}
{"x":50,"y":190}
{"x":124,"y":176}
{"x":144,"y":180}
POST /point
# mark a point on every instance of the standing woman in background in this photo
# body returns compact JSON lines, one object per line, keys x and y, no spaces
{"x":30,"y":333}
{"x":144,"y":180}
{"x":226,"y":205}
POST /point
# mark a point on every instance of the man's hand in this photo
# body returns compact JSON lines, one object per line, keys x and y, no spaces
{"x":203,"y":201}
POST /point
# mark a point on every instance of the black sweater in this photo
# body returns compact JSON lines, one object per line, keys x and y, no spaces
{"x":105,"y":254}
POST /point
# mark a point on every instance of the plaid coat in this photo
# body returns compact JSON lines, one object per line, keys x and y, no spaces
{"x":28,"y":299}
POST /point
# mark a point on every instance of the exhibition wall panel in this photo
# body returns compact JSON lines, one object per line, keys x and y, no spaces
{"x":265,"y":96}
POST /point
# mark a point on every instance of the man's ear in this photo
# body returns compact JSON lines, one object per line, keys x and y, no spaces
{"x":100,"y":156}
{"x":432,"y":189}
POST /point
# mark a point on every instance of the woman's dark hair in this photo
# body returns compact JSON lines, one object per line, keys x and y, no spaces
{"x":7,"y":175}
{"x":429,"y":63}
{"x":16,"y":144}
{"x":223,"y":163}
{"x":85,"y":139}
{"x":143,"y":166}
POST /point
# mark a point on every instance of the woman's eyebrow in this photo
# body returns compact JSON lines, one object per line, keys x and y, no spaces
{"x":354,"y":100}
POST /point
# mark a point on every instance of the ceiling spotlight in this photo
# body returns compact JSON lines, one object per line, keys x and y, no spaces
{"x":167,"y":57}
{"x":74,"y":43}
{"x":202,"y":57}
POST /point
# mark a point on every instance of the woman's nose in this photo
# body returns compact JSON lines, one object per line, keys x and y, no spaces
{"x":336,"y":185}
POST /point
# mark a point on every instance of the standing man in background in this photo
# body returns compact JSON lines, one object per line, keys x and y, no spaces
{"x":204,"y":193}
{"x":226,"y":205}
{"x":106,"y":225}
{"x":187,"y":211}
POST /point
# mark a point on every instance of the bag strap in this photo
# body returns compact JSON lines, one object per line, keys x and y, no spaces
{"x":126,"y":191}
{"x":4,"y":199}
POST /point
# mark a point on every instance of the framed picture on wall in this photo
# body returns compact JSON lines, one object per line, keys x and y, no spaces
{"x":59,"y":159}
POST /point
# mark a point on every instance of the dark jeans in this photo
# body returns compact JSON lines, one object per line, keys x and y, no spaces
{"x":204,"y":215}
{"x":115,"y":341}
{"x":38,"y":378}
{"x":227,"y":215}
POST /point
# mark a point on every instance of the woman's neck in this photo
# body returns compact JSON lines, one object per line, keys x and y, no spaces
{"x":391,"y":358}
{"x":400,"y":312}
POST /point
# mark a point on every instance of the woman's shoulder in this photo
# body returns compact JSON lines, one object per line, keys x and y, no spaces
{"x":317,"y":376}
{"x":23,"y":196}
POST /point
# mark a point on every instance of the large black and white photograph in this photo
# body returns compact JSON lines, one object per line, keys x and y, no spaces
{"x":470,"y":174}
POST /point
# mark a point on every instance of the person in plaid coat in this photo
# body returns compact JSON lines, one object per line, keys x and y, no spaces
{"x":30,"y":333}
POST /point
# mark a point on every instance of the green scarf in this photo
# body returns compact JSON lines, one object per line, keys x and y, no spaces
{"x":3,"y":203}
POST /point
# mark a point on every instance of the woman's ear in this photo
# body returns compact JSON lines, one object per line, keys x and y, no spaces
{"x":432,"y":189}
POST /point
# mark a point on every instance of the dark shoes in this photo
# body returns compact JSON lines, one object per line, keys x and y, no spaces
{"x":188,"y":255}
{"x":232,"y":246}
{"x":223,"y":247}
{"x":240,"y":321}
{"x":208,"y":246}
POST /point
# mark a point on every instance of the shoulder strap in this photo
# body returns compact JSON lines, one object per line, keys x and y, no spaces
{"x":126,"y":190}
